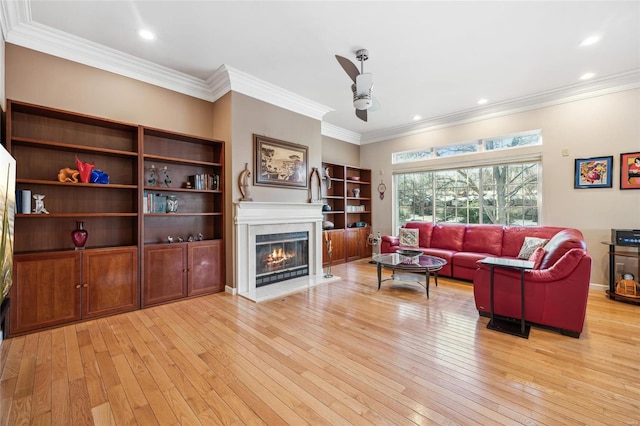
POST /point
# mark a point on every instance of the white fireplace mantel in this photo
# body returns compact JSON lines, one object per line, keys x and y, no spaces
{"x":259,"y":218}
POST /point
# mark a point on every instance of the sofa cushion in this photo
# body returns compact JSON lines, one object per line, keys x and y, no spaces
{"x":408,"y":237}
{"x":537,"y":257}
{"x":483,"y":239}
{"x":425,"y":228}
{"x":513,"y":237}
{"x":561,"y":243}
{"x":464,"y":259}
{"x":530,"y":245}
{"x":448,"y":237}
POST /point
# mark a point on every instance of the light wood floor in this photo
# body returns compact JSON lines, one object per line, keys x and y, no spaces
{"x":339,"y":354}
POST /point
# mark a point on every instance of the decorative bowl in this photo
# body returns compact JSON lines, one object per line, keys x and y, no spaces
{"x":409,"y":253}
{"x":354,"y":178}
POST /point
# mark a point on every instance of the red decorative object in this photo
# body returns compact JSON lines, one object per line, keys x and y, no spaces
{"x":85,"y":170}
{"x":79,"y":235}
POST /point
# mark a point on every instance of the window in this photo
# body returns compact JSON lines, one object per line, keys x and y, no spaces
{"x":492,"y":144}
{"x":502,"y":194}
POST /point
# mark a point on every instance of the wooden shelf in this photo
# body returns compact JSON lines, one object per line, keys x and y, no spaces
{"x":76,"y":184}
{"x":45,"y":140}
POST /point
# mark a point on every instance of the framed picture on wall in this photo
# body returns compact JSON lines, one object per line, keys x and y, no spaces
{"x":280,"y":163}
{"x":593,"y":172}
{"x":630,"y":170}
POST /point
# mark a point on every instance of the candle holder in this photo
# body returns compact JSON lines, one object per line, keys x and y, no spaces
{"x":329,"y":253}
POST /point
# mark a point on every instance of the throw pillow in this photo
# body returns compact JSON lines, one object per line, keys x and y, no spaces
{"x":529,"y":246}
{"x":537,"y":257}
{"x":409,"y":237}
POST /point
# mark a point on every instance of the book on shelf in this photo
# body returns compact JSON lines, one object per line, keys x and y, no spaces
{"x":205,"y":181}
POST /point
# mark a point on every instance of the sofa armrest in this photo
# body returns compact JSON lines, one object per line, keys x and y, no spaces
{"x":564,"y":267}
{"x":388,"y":241}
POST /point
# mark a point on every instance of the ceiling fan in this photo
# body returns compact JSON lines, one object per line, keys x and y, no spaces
{"x":363,"y":83}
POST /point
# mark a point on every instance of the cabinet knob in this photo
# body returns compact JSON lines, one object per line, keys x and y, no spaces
{"x":78,"y":286}
{"x":85,"y":285}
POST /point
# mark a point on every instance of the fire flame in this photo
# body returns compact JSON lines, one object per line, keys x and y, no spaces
{"x":277,"y":256}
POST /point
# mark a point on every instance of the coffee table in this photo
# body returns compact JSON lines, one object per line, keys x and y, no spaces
{"x":409,"y":268}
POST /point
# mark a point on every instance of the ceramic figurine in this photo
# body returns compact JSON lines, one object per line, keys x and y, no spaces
{"x":39,"y":204}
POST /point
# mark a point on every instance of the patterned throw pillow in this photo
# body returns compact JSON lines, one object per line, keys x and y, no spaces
{"x":409,"y":237}
{"x":530,"y":245}
{"x":537,"y":257}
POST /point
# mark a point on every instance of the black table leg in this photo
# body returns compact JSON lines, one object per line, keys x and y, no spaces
{"x":427,"y":286}
{"x":491,"y":294}
{"x":522,"y":320}
{"x":379,"y":275}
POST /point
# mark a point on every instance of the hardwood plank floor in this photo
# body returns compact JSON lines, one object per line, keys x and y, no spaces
{"x":338,"y":354}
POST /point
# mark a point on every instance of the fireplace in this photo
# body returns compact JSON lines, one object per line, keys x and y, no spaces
{"x":281,"y":257}
{"x":269,"y":226}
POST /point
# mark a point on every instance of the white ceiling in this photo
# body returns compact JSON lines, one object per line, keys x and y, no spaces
{"x":435,"y":59}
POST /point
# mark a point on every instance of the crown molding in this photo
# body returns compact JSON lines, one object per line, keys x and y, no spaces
{"x":333,"y":131}
{"x":18,"y":28}
{"x":603,"y":86}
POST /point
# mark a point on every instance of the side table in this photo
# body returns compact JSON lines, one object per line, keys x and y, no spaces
{"x":500,"y":324}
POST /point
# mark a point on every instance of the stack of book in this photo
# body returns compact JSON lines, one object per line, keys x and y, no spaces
{"x":205,"y":181}
{"x":154,"y":203}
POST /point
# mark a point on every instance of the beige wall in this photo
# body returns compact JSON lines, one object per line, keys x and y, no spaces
{"x":253,"y":116}
{"x":599,"y":126}
{"x":340,"y":152}
{"x":50,"y":81}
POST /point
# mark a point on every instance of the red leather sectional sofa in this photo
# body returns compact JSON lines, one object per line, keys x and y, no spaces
{"x":555,"y":295}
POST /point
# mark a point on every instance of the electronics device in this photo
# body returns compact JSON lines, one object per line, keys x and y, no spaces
{"x":626,"y":237}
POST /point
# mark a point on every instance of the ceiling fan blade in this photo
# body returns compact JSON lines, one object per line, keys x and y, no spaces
{"x":364,"y":83}
{"x":361,"y":114}
{"x":349,"y":67}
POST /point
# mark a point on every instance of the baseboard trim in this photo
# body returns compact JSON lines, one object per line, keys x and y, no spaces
{"x":231,"y":290}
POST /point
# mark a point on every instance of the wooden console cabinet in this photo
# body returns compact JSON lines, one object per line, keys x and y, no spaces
{"x":54,"y":283}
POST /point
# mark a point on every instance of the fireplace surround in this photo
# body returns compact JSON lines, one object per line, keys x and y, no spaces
{"x":253,"y":219}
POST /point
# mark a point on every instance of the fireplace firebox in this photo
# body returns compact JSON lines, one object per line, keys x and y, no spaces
{"x":281,"y":257}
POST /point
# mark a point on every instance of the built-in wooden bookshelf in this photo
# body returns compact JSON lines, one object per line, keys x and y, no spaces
{"x":53,"y":282}
{"x":348,"y":197}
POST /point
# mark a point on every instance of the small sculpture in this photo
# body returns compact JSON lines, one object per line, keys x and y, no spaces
{"x":165,"y":175}
{"x":243,"y":183}
{"x":85,"y":169}
{"x":180,"y":239}
{"x":200,"y":236}
{"x":170,"y":239}
{"x":191,"y":239}
{"x":39,"y":204}
{"x":152,"y":176}
{"x":68,"y":175}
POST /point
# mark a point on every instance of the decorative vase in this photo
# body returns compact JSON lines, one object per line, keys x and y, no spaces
{"x":172,"y":204}
{"x":79,"y":235}
{"x":356,"y":192}
{"x":85,"y":169}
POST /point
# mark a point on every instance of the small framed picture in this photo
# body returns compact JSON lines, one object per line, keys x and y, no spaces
{"x":630,"y":170}
{"x":593,"y":172}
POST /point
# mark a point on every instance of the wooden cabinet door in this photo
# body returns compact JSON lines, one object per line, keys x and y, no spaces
{"x":45,"y":291}
{"x":109,"y":281}
{"x":337,"y":247}
{"x":205,"y":267}
{"x":165,"y":273}
{"x":353,"y":244}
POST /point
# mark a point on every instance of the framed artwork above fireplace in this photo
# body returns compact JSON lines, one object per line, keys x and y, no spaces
{"x":280,"y":163}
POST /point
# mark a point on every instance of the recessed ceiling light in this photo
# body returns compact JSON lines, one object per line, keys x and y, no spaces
{"x":590,"y":40}
{"x":146,"y":34}
{"x":416,"y":117}
{"x":587,"y":76}
{"x":482,"y":101}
